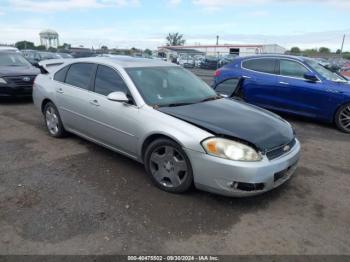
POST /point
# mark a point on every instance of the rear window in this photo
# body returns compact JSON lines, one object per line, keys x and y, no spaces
{"x":61,"y":74}
{"x":79,"y":75}
{"x":263,"y":65}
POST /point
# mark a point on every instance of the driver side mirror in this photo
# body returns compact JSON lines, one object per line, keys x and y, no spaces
{"x":311,"y":77}
{"x":118,"y":97}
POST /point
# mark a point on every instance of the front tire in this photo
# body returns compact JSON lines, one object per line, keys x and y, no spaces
{"x":53,"y":121}
{"x":342,"y":118}
{"x":168,"y":166}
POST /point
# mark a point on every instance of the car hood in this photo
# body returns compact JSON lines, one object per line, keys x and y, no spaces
{"x":18,"y":70}
{"x":237,"y":120}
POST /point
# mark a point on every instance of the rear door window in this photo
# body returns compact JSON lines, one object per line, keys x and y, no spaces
{"x":263,"y":65}
{"x":79,"y":75}
{"x":61,"y":74}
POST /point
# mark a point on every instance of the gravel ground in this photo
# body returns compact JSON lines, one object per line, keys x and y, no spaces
{"x":69,"y":196}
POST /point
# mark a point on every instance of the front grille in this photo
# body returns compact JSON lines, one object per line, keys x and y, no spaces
{"x":277,"y":152}
{"x":250,"y":186}
{"x":20,"y":81}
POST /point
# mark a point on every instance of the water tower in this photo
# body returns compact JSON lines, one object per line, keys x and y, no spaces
{"x":49,"y":38}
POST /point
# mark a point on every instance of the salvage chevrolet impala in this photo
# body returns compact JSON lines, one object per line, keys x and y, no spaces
{"x":168,"y":119}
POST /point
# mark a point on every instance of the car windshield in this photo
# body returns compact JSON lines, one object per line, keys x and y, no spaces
{"x":12,"y":59}
{"x":169,"y":86}
{"x":46,"y":56}
{"x":326,"y":73}
{"x":64,"y":55}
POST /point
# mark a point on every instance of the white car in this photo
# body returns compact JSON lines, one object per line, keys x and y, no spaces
{"x":9,"y":49}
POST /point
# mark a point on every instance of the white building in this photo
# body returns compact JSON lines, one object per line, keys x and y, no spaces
{"x":49,"y":38}
{"x":219,"y":50}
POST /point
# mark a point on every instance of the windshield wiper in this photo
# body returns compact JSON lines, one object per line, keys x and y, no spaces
{"x":211,"y":98}
{"x":190,"y":103}
{"x":178,"y":104}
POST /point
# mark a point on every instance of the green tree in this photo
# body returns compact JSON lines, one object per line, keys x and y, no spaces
{"x":338,"y":51}
{"x":104,"y":48}
{"x":295,"y":50}
{"x":148,"y":52}
{"x":310,"y":52}
{"x":40,"y":47}
{"x":324,"y":50}
{"x":25,"y":45}
{"x":175,"y":39}
{"x":346,"y":55}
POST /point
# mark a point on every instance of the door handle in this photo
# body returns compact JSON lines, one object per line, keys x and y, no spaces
{"x":60,"y":91}
{"x":94,"y":102}
{"x":284,"y":83}
{"x":332,"y":91}
{"x":247,"y":77}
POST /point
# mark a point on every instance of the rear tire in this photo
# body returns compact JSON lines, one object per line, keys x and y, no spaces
{"x":168,"y":166}
{"x":342,"y":118}
{"x":53,"y":121}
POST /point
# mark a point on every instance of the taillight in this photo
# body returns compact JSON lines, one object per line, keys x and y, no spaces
{"x":217,"y":73}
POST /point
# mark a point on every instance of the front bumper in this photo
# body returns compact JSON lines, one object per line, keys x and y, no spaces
{"x":15,"y":91}
{"x":239,"y":179}
{"x":17,"y":87}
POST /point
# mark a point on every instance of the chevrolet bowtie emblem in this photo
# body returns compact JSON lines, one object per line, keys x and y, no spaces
{"x":286,"y":148}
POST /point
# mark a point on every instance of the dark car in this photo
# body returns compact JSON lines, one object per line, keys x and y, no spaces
{"x":34,"y":57}
{"x":209,"y":62}
{"x":16,"y":75}
{"x":288,"y":84}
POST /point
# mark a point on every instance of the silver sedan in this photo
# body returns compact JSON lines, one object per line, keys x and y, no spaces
{"x":171,"y":121}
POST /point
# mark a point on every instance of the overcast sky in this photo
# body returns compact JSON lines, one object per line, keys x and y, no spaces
{"x":145,"y":23}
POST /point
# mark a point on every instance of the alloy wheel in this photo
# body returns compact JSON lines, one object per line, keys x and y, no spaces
{"x":344,"y":118}
{"x":52,"y":121}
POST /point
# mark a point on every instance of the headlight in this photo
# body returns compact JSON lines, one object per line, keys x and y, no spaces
{"x":230,"y":149}
{"x":2,"y":81}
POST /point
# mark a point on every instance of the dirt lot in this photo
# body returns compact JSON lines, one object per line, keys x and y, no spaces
{"x":69,"y":196}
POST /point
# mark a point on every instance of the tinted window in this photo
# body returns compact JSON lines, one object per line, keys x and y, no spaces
{"x":79,"y":75}
{"x":291,"y":68}
{"x":265,"y":65}
{"x":108,"y":81}
{"x":227,"y":87}
{"x":61,"y":74}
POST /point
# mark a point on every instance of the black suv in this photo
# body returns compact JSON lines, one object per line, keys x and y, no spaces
{"x":16,"y":75}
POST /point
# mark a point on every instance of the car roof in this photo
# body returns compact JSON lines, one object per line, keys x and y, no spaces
{"x":125,"y":62}
{"x":299,"y":58}
{"x":8,"y":48}
{"x":10,"y":52}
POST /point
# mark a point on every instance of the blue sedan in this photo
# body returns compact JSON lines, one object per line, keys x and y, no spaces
{"x":289,"y":84}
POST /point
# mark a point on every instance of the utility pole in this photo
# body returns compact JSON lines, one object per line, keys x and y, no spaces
{"x":342,"y":46}
{"x":217,"y":40}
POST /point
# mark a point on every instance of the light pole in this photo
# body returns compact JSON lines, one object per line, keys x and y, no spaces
{"x":342,"y":46}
